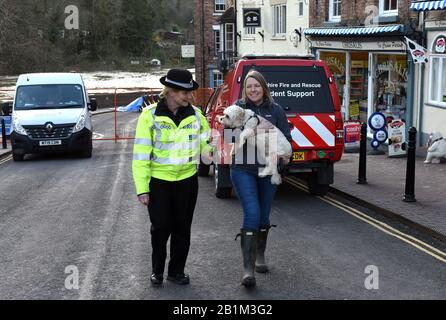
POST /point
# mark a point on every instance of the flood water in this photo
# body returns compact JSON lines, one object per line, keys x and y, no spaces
{"x":99,"y":82}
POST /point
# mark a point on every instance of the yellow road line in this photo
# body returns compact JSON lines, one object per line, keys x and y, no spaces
{"x":420,"y":245}
{"x":5,"y":160}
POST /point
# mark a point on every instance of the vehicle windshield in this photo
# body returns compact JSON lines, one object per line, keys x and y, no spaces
{"x":298,"y":89}
{"x":49,"y":97}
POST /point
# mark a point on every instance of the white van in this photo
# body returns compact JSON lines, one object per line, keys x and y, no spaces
{"x":51,"y":113}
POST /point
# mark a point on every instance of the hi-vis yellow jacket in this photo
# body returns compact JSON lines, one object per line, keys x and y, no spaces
{"x":167,"y":152}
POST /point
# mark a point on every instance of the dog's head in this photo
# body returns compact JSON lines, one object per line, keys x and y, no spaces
{"x":435,"y":136}
{"x":234,"y":117}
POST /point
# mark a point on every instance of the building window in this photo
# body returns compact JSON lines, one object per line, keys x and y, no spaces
{"x":229,"y":37}
{"x":217,"y":40}
{"x":217,"y":79}
{"x":437,"y":92}
{"x":250,"y":31}
{"x":388,"y":7}
{"x":300,"y":6}
{"x":335,"y":10}
{"x":279,"y":20}
{"x":220,"y":6}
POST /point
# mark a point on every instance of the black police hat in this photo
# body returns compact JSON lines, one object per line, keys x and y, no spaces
{"x":180,"y":79}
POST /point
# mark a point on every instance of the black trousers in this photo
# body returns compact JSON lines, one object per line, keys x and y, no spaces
{"x":171,"y":211}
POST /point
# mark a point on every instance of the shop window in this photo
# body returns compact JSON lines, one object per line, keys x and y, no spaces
{"x":336,"y":63}
{"x":388,"y":7}
{"x":359,"y":86}
{"x":335,"y":10}
{"x":391,"y":85}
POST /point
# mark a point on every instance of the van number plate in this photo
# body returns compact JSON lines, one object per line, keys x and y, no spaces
{"x":298,"y":156}
{"x":50,"y":143}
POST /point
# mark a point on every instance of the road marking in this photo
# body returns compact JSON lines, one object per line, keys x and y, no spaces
{"x":420,"y":245}
{"x":5,"y":160}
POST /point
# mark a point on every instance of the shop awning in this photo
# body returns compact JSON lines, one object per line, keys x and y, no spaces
{"x":428,"y":5}
{"x":354,"y":31}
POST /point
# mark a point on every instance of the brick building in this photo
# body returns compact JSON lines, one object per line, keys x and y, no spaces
{"x":363,"y":43}
{"x":208,"y":39}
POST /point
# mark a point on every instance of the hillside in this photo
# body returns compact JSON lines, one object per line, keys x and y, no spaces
{"x":48,"y":35}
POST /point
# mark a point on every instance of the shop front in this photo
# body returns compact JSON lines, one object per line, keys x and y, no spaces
{"x":370,"y":67}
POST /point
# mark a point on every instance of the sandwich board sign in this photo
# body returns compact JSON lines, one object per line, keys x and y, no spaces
{"x":397,"y":138}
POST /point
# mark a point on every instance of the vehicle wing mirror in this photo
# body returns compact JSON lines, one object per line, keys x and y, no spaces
{"x":93,"y":105}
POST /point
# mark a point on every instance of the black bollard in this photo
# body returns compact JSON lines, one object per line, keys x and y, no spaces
{"x":409,"y":196}
{"x":362,"y":179}
{"x":4,"y":134}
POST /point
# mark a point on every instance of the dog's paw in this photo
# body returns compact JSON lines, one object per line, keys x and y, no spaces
{"x":276,"y":179}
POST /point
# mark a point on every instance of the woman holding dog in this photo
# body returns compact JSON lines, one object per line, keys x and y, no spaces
{"x":170,"y":137}
{"x":256,"y":194}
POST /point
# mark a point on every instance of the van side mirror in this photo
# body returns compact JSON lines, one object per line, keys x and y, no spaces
{"x":93,"y":105}
{"x":6,"y":109}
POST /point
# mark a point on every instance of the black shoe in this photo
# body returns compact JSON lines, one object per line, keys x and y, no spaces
{"x":181,"y":279}
{"x":156,"y":279}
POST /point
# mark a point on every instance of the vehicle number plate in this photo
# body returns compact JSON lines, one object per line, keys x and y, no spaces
{"x":50,"y":143}
{"x":298,"y":156}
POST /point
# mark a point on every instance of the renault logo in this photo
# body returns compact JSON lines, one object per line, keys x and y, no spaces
{"x":49,"y":127}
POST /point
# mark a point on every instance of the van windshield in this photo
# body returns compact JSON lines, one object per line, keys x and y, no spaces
{"x":49,"y":97}
{"x":297,"y":89}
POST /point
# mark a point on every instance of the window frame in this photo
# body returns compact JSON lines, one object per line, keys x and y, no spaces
{"x":218,"y":4}
{"x":390,"y":12}
{"x":279,"y":13}
{"x":331,"y":15}
{"x":301,"y":8}
{"x":217,"y":41}
{"x":437,"y":84}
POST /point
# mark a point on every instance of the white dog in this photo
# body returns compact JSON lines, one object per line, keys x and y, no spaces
{"x":270,"y":141}
{"x":437,"y":147}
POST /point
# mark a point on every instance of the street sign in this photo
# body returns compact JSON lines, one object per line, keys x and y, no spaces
{"x":188,"y":51}
{"x":252,"y":18}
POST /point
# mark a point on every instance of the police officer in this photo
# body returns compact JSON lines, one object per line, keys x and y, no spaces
{"x":170,"y":137}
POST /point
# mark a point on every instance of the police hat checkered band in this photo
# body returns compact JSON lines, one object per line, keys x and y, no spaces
{"x":181,"y":84}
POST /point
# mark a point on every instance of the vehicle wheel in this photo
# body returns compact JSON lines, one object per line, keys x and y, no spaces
{"x":17,"y":157}
{"x":316,"y":188}
{"x":203,"y":170}
{"x":87,"y":154}
{"x":220,"y":192}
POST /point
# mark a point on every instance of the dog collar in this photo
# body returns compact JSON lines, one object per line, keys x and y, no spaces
{"x":253,"y":117}
{"x":437,"y":140}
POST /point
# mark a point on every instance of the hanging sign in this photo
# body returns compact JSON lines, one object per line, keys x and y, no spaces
{"x":419,"y":54}
{"x":397,"y":138}
{"x":252,"y":18}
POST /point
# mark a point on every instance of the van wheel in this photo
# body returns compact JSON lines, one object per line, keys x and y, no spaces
{"x":316,"y":188}
{"x":203,"y":170}
{"x":221,"y":192}
{"x":87,"y":154}
{"x":17,"y":157}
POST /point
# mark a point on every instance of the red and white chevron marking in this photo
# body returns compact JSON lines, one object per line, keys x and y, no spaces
{"x":314,"y":131}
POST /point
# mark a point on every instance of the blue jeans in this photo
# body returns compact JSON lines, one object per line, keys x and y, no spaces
{"x":256,"y":196}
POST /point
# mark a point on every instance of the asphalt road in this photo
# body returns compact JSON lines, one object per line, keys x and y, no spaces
{"x":60,"y":215}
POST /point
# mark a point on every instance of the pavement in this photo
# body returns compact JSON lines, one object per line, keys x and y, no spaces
{"x":385,"y":189}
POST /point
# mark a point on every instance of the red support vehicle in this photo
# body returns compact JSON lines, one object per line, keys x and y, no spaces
{"x":305,"y":88}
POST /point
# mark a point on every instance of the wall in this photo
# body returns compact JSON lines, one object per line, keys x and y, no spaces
{"x":285,"y":45}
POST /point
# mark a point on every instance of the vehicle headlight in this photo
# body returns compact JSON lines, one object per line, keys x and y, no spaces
{"x":17,"y":127}
{"x":81,"y":123}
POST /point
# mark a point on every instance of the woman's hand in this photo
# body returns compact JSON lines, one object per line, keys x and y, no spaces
{"x":144,"y":199}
